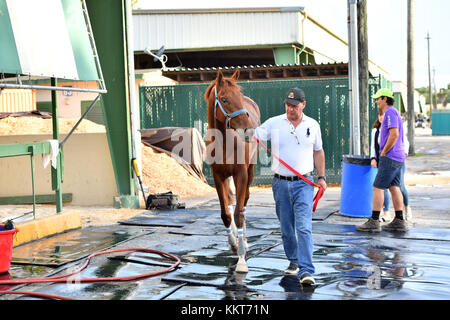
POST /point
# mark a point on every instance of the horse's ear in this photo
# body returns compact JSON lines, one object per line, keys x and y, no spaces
{"x":236,"y":75}
{"x":219,"y":78}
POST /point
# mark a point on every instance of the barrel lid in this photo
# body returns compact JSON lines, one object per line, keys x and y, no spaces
{"x":356,"y":159}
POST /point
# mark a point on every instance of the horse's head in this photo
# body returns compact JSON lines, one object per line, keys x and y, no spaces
{"x":226,"y":103}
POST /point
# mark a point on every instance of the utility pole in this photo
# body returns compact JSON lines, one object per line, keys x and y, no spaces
{"x":353,"y":90}
{"x":429,"y":80}
{"x":363,"y":63}
{"x":435,"y":91}
{"x":410,"y":78}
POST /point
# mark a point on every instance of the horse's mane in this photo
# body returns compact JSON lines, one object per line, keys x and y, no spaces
{"x":227,"y":84}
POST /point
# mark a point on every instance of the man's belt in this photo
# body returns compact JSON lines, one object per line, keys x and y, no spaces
{"x":291,"y":178}
{"x":319,"y":193}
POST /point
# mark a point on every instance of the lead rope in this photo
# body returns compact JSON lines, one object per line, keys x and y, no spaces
{"x":319,"y":193}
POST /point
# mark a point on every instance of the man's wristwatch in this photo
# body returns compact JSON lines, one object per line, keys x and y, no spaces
{"x":322,"y":177}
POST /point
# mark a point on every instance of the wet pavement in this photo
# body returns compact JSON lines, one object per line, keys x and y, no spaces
{"x":350,"y":265}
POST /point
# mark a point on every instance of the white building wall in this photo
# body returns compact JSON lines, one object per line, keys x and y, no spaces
{"x":215,"y":30}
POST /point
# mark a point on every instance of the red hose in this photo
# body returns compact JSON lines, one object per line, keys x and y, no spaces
{"x":63,"y":278}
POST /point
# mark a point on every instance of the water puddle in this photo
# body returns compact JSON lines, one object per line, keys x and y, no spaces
{"x":63,"y":248}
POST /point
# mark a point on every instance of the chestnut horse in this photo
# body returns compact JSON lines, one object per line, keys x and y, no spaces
{"x":232,"y":154}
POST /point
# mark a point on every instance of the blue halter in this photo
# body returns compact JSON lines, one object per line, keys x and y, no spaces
{"x":227,"y":116}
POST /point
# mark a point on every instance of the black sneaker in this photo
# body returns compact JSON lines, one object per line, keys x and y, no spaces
{"x":307,"y":280}
{"x":292,"y":269}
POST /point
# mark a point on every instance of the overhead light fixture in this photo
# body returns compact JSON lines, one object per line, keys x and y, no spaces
{"x":159,"y":56}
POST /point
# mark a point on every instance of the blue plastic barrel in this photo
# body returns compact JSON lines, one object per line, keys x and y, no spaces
{"x":357,"y":186}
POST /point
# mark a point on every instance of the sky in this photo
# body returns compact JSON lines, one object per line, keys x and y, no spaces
{"x":387,"y":30}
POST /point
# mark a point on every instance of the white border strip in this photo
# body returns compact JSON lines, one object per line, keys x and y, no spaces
{"x":42,"y":38}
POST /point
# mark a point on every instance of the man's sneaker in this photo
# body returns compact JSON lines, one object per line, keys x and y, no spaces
{"x":292,"y":269}
{"x":408,"y":214}
{"x":370,"y":225}
{"x":396,"y":225}
{"x":307,"y":280}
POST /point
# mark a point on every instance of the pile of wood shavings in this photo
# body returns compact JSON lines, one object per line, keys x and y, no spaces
{"x":161,"y":173}
{"x":36,"y":125}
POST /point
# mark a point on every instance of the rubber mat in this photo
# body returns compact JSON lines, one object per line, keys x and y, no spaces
{"x":171,"y":218}
{"x":323,"y":213}
{"x":215,"y":226}
{"x":413,"y":233}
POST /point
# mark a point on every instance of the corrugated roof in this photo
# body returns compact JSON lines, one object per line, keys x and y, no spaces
{"x":182,"y":69}
{"x":260,"y":72}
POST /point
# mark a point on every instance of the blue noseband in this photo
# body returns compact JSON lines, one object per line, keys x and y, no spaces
{"x":227,"y":116}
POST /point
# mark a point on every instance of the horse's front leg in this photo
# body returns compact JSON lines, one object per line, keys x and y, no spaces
{"x":240,"y":182}
{"x":229,"y":196}
{"x":225,"y":213}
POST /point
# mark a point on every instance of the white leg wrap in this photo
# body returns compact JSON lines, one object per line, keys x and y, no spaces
{"x":241,"y":265}
{"x":241,"y":244}
{"x":231,"y":239}
{"x":233,"y":224}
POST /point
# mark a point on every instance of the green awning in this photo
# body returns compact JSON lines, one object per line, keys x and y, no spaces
{"x":32,"y":44}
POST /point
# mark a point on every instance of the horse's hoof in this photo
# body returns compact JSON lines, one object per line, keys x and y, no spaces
{"x":234,"y":249}
{"x":242,"y":267}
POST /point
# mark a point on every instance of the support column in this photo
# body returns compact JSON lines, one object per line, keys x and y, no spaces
{"x":108,"y":21}
{"x":56,"y":173}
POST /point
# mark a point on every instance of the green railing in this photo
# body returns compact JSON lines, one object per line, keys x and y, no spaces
{"x":26,"y":149}
{"x":183,"y":105}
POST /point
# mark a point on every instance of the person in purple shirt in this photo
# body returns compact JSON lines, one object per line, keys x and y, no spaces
{"x":392,"y":160}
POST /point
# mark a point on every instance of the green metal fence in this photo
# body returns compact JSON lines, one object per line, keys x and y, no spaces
{"x":327,"y":101}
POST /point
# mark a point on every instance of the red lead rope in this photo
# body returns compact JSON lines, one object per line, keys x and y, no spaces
{"x":319,"y":193}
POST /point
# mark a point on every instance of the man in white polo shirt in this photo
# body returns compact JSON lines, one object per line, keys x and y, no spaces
{"x":296,"y":139}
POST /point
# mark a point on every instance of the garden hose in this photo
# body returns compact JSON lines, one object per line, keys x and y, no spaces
{"x":63,"y":278}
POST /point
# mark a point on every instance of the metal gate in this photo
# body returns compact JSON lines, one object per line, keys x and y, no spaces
{"x":182,"y":105}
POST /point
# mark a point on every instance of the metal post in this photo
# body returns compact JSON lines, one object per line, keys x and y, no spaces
{"x":429,"y":79}
{"x":410,"y":77}
{"x":434,"y":90}
{"x":353,"y":73}
{"x":56,"y":173}
{"x":363,"y":64}
{"x":134,"y":111}
{"x":31,"y":149}
{"x":61,"y":145}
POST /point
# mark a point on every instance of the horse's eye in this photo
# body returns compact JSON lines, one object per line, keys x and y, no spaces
{"x":224,"y":100}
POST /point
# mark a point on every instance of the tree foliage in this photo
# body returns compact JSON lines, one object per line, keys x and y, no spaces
{"x":443,"y":96}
